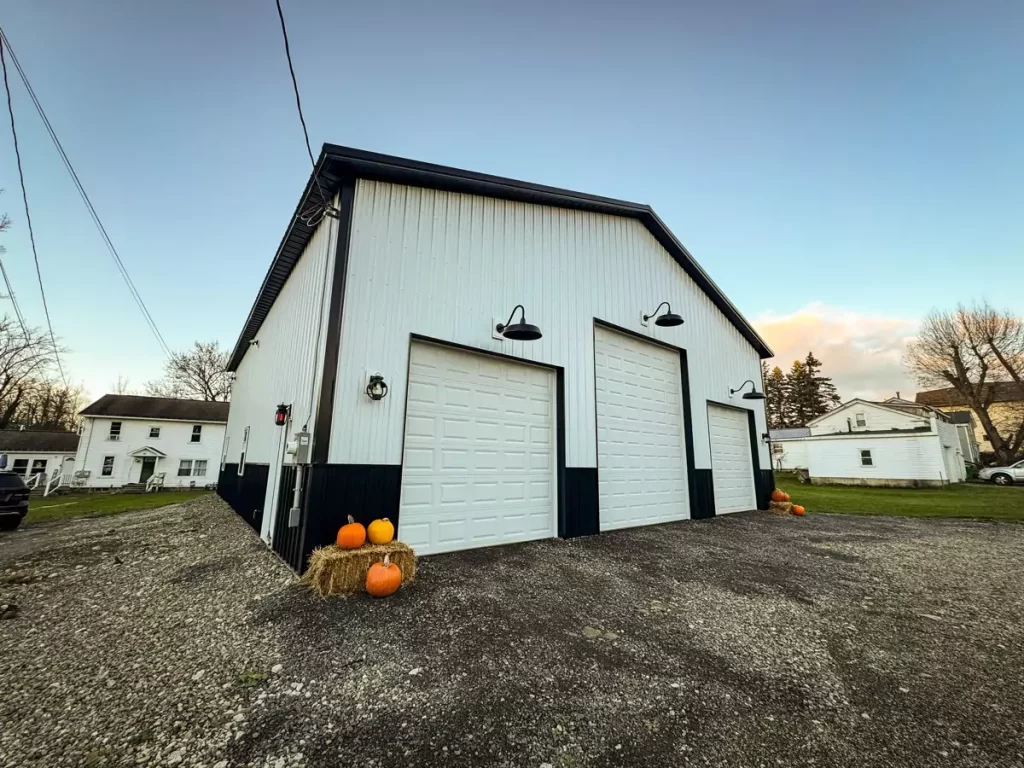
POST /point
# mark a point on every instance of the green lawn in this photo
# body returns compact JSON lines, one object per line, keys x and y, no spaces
{"x":99,"y":504}
{"x":963,"y":500}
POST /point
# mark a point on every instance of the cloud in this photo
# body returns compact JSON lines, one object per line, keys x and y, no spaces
{"x":861,"y":352}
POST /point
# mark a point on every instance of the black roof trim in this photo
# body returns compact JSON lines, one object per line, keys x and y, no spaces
{"x":336,"y":163}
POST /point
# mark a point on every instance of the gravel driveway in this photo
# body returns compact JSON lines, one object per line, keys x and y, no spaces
{"x":173,"y":637}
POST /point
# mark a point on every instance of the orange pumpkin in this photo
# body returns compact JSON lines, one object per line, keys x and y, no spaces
{"x":384,"y":578}
{"x":798,"y":510}
{"x":381,"y":531}
{"x":778,"y":495}
{"x":785,"y":496}
{"x":351,"y":535}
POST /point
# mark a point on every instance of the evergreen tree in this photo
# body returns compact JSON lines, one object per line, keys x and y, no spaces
{"x":776,"y":390}
{"x":810,"y":394}
{"x":824,"y":396}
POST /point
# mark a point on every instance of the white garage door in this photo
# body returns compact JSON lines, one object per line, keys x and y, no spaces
{"x":731,"y":462}
{"x":479,"y":464}
{"x":641,"y":454}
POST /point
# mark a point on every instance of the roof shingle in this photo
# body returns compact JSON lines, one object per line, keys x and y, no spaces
{"x":140,"y":407}
{"x":1000,"y":391}
{"x":28,"y":441}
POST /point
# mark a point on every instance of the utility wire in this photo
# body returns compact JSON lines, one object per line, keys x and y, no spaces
{"x":10,"y":295}
{"x":310,"y":217}
{"x":28,"y":221}
{"x":85,"y":198}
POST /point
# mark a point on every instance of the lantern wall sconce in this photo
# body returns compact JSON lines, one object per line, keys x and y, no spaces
{"x":377,"y":388}
{"x":521,"y":331}
{"x":753,"y":394}
{"x":667,"y":320}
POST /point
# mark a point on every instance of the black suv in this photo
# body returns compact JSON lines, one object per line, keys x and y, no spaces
{"x":13,"y":501}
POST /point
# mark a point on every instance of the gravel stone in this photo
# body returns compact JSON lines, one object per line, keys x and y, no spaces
{"x":744,"y":640}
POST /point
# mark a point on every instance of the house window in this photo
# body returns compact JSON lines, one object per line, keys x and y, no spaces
{"x":115,"y":431}
{"x":185,"y":468}
{"x":866,"y":460}
{"x":776,"y":448}
{"x":20,"y":467}
{"x":108,"y":466}
{"x":861,"y":421}
{"x":241,"y":458}
{"x":154,"y":431}
{"x":197,"y":433}
{"x":38,"y":466}
{"x":199,"y":468}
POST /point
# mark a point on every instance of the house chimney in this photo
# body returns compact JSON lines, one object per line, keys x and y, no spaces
{"x":898,"y":395}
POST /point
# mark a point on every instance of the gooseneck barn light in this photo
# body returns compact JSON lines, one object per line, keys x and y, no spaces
{"x":377,"y":389}
{"x":521,"y":331}
{"x":753,"y":394}
{"x":668,"y":320}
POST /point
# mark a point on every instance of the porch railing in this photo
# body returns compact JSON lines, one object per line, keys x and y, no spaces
{"x":57,"y":480}
{"x":33,"y":482}
{"x":155,"y":482}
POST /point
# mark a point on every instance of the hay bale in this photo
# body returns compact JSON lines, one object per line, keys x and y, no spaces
{"x":334,"y":571}
{"x":781,"y":508}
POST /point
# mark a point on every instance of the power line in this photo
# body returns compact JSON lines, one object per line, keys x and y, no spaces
{"x":28,"y":221}
{"x":85,"y":198}
{"x":310,"y":217}
{"x":11,"y":296}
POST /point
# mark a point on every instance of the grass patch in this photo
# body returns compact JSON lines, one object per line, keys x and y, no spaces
{"x":100,"y":504}
{"x":963,"y":500}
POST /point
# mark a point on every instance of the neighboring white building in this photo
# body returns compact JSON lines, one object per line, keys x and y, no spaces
{"x":30,"y":452}
{"x":895,"y":443}
{"x":127,"y":439}
{"x":609,"y":420}
{"x":789,"y":449}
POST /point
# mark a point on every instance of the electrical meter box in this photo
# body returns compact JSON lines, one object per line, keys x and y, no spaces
{"x":302,"y":447}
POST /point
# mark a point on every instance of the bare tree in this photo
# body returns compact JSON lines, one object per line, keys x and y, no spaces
{"x":25,"y":360}
{"x":198,"y":374}
{"x":49,"y":405}
{"x":123,"y":386}
{"x":970,"y":349}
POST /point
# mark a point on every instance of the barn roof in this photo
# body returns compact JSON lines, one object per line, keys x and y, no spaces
{"x":337,"y":163}
{"x":141,"y":407}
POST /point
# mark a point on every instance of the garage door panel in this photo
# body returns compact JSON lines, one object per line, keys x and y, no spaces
{"x":641,"y":444}
{"x":731,"y":460}
{"x":479,"y":458}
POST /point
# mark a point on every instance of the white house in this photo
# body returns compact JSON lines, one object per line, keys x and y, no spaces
{"x":128,"y":439}
{"x":789,"y":449}
{"x":895,"y":443}
{"x":28,"y":452}
{"x":486,"y":361}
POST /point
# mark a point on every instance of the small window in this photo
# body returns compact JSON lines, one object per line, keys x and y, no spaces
{"x":108,"y":466}
{"x":185,"y":468}
{"x":115,"y":430}
{"x":241,"y":458}
{"x":20,"y":467}
{"x":776,"y":448}
{"x":866,"y":460}
{"x":199,"y":468}
{"x":197,"y":433}
{"x":861,"y":421}
{"x":38,"y":466}
{"x":154,"y":431}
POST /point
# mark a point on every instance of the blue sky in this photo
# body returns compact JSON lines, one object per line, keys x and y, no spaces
{"x":861,"y":162}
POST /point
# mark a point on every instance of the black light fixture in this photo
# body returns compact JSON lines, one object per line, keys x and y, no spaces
{"x":753,"y":394}
{"x":377,"y":389}
{"x":521,"y":331}
{"x":668,"y":320}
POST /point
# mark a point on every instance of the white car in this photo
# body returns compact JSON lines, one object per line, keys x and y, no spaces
{"x":1004,"y":475}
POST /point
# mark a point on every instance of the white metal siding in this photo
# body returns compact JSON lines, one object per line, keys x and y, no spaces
{"x":480,"y":452}
{"x":876,"y":419}
{"x":641,"y":455}
{"x":952,"y":455}
{"x":448,"y":265}
{"x":899,"y":457}
{"x":794,"y":454}
{"x":286,"y":366}
{"x":731,"y":460}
